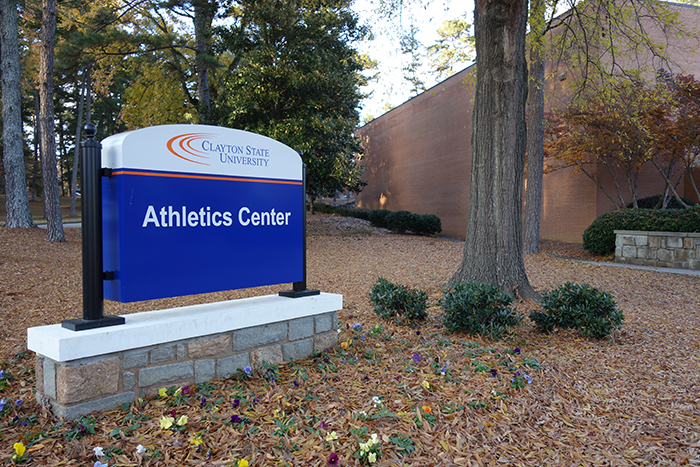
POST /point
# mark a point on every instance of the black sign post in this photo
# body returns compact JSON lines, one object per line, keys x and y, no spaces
{"x":91,"y":207}
{"x":299,"y":288}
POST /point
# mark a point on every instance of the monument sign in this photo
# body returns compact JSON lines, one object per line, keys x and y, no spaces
{"x":190,"y":209}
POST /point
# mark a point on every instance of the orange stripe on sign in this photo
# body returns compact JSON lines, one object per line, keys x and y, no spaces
{"x":203,"y":177}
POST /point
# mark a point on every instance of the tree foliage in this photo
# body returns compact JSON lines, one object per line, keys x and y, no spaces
{"x":682,"y":134}
{"x":622,"y":127}
{"x":154,"y":97}
{"x":284,"y":69}
{"x":454,"y":47}
{"x":411,"y":48}
{"x":297,"y":81}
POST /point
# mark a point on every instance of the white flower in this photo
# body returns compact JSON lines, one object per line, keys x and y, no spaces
{"x":377,"y":401}
{"x":98,"y":451}
{"x":140,"y":449}
{"x":362,"y":412}
{"x":374,"y":439}
{"x":372,"y":457}
{"x":331,"y":436}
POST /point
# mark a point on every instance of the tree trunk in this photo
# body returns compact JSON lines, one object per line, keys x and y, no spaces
{"x":493,"y":251}
{"x":88,"y":96}
{"x":49,"y":174}
{"x":203,"y":18}
{"x":689,"y":168}
{"x":37,"y":147}
{"x":669,"y":184}
{"x":535,"y":131}
{"x":16,"y":197}
{"x":76,"y":153}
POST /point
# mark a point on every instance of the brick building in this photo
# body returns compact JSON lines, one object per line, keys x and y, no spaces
{"x":418,"y":155}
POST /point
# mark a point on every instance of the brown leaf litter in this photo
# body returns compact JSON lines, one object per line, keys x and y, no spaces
{"x":626,"y":401}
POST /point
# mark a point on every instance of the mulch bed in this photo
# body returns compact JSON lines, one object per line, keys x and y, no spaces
{"x":431,"y":398}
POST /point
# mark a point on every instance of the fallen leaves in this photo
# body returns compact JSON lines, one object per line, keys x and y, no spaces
{"x":630,"y":400}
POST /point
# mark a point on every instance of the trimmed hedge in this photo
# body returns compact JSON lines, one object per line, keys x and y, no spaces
{"x":599,"y":237}
{"x":652,"y":202}
{"x":396,"y":221}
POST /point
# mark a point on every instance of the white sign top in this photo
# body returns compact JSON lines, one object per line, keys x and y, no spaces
{"x":201,"y":149}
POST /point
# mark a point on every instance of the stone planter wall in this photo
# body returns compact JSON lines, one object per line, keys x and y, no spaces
{"x":661,"y":249}
{"x":71,"y":387}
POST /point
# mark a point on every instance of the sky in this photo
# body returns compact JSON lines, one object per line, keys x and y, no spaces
{"x":427,"y":15}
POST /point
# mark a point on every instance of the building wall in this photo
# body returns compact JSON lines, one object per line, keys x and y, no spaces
{"x":418,"y":157}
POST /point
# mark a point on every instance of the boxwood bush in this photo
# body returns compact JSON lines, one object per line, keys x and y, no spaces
{"x":428,"y":224}
{"x":599,"y":237}
{"x":571,"y":306}
{"x":378,"y":217}
{"x":395,"y":301}
{"x":402,"y":221}
{"x":478,"y":308}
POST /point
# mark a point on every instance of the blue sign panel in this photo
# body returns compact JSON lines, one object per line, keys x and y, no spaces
{"x":195,"y":209}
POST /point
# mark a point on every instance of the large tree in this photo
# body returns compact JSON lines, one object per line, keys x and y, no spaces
{"x":535,"y":129}
{"x":493,"y":247}
{"x":297,"y":80}
{"x":16,"y":198}
{"x":49,"y":172}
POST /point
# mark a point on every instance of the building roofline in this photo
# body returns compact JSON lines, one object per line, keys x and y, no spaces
{"x":567,"y":12}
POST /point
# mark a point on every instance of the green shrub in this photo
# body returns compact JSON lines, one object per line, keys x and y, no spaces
{"x":397,"y":301}
{"x":688,"y":220}
{"x":396,"y":221}
{"x":378,"y":217}
{"x":359,"y":213}
{"x":571,"y":306}
{"x":401,"y":221}
{"x":654,"y":202}
{"x":428,"y":224}
{"x":322,"y":208}
{"x":599,"y":237}
{"x":478,"y":308}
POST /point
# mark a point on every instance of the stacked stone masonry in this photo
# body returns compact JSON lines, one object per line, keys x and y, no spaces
{"x":660,"y":249}
{"x":82,"y":386}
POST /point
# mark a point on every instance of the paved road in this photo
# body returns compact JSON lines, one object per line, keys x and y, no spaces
{"x":66,"y":225}
{"x":689,"y":272}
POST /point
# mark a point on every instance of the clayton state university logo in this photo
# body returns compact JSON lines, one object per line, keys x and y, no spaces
{"x":203,"y":149}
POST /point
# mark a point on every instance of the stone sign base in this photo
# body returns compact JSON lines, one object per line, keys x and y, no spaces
{"x":78,"y":372}
{"x":659,"y":249}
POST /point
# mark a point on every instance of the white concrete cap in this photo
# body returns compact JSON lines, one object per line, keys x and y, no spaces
{"x":174,"y":324}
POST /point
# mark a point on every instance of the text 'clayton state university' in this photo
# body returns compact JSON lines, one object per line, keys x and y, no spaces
{"x":205,"y":217}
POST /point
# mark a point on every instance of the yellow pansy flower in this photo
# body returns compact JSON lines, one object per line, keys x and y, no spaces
{"x":19,"y":449}
{"x":166,"y":422}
